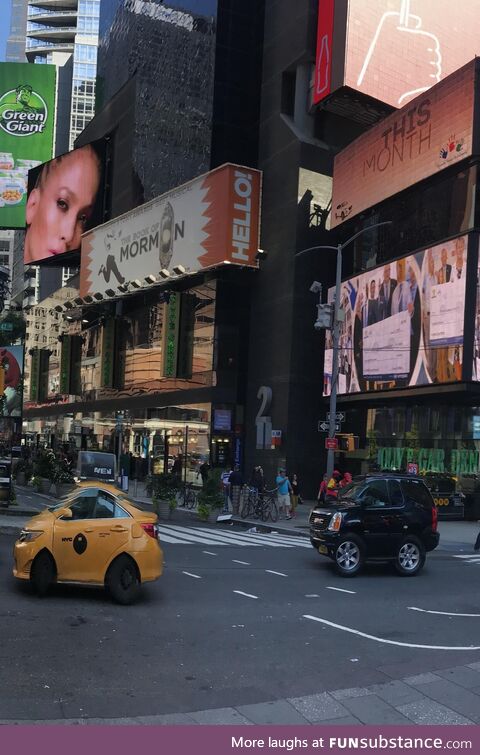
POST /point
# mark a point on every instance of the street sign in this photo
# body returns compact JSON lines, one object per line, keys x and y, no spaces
{"x":331,"y":443}
{"x":339,"y":416}
{"x":412,"y":468}
{"x":324,"y":427}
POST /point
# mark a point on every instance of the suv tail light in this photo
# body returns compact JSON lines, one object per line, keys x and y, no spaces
{"x":434,"y":518}
{"x":150,"y":529}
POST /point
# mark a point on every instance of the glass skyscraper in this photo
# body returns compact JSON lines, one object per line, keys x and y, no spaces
{"x":15,"y":50}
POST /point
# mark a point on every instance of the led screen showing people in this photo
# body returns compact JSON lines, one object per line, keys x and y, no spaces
{"x":403,"y":322}
{"x":65,"y":199}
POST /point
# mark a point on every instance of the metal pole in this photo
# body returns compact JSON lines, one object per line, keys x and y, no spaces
{"x":335,"y":337}
{"x":185,"y":456}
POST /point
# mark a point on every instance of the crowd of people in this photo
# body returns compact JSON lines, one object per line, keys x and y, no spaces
{"x":329,"y":488}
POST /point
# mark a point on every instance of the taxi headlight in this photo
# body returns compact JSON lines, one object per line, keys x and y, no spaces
{"x":28,"y":535}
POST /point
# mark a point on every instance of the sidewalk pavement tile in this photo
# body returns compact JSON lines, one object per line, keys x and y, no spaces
{"x":457,"y":698}
{"x":343,"y":721}
{"x":465,"y":677}
{"x":370,"y":709}
{"x":342,"y":694}
{"x":228,"y":716}
{"x":421,"y":679}
{"x":276,"y":712}
{"x":396,"y":693}
{"x":317,"y":708}
{"x":428,"y":712}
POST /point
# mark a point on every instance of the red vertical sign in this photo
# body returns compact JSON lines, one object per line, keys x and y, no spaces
{"x":323,"y":65}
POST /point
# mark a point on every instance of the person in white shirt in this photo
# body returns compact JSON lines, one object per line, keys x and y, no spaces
{"x":402,"y":296}
{"x":460,"y":269}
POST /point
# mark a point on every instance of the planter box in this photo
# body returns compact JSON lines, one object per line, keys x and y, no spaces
{"x":44,"y":485}
{"x":162,"y":509}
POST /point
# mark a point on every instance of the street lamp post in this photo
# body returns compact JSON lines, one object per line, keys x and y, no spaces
{"x":336,"y":333}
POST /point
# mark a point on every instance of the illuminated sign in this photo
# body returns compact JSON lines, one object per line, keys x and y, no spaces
{"x":212,"y":219}
{"x":392,"y":50}
{"x":403,"y":322}
{"x":437,"y":460}
{"x":427,"y":135}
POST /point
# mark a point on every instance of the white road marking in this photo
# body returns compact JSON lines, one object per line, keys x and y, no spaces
{"x":444,"y":613}
{"x":246,"y":594}
{"x":467,"y":556}
{"x":388,"y":642}
{"x":279,"y":573}
{"x":236,"y":561}
{"x":209,"y":553}
{"x":191,"y":575}
{"x":181,"y":535}
{"x":312,"y":595}
{"x":252,"y":538}
{"x":339,"y":589}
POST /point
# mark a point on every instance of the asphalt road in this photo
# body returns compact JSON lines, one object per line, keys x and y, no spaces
{"x":229,"y":625}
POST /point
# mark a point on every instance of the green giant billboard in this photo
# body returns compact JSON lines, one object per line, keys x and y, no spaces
{"x":27,"y":118}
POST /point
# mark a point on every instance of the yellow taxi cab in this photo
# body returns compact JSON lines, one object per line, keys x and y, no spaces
{"x":96,"y":537}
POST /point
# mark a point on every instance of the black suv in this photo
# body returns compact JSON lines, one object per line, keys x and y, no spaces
{"x":377,"y":518}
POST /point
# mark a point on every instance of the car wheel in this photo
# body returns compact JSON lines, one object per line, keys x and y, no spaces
{"x":122,"y":581}
{"x":349,"y":556}
{"x":42,"y":573}
{"x":410,"y":557}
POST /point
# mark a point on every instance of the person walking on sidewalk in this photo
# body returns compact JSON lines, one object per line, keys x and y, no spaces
{"x":284,"y":489}
{"x":295,"y":494}
{"x":236,"y":481}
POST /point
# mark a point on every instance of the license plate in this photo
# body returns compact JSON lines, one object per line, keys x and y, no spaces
{"x":323,"y":549}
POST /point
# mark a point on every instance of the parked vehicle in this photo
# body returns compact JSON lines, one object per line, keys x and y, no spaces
{"x":448,"y":499}
{"x":377,"y":518}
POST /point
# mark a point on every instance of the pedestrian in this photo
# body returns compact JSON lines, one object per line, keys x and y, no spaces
{"x":333,"y":486}
{"x":346,"y":480}
{"x":284,"y":488}
{"x":235,"y":481}
{"x":177,"y":467}
{"x":295,"y":494}
{"x":224,"y":479}
{"x":203,"y":471}
{"x":257,"y":480}
{"x":322,"y":491}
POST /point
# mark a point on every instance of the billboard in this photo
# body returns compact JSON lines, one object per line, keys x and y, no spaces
{"x":11,"y":362}
{"x":27,"y":119}
{"x":65,"y":198}
{"x":403,"y":322}
{"x":212,"y":219}
{"x":432,"y":132}
{"x":392,"y":50}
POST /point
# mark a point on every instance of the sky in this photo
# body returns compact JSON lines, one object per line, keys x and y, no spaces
{"x":5,"y":8}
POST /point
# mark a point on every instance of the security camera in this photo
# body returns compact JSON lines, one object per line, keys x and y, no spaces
{"x":316,"y":287}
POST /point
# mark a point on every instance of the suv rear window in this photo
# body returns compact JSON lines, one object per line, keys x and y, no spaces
{"x":416,"y":490}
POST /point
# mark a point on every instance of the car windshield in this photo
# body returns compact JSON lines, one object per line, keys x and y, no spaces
{"x":440,"y":484}
{"x":353,"y":490}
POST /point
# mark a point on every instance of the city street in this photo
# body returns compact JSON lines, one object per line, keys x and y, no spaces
{"x":239,"y":620}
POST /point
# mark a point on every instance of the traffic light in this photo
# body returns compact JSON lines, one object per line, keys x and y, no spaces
{"x":349,"y":442}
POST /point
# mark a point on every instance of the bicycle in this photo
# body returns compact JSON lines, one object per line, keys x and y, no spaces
{"x":188,"y":495}
{"x":250,"y":499}
{"x":270,"y":506}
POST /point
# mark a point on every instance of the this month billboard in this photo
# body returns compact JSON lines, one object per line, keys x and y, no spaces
{"x":65,"y":198}
{"x":213,"y":219}
{"x":404,"y":322}
{"x":427,"y":135}
{"x":392,"y":50}
{"x":27,"y":118}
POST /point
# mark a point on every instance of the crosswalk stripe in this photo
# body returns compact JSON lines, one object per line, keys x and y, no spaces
{"x":290,"y":540}
{"x":184,"y":538}
{"x":195,"y":534}
{"x":249,"y":539}
{"x":179,"y":535}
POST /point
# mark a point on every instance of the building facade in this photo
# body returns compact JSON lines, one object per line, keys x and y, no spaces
{"x":15,"y":49}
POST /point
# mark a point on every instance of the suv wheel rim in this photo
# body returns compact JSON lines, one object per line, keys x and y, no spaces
{"x":348,"y":555}
{"x":409,"y":556}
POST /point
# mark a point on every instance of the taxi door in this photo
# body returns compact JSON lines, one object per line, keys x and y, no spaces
{"x":84,"y":544}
